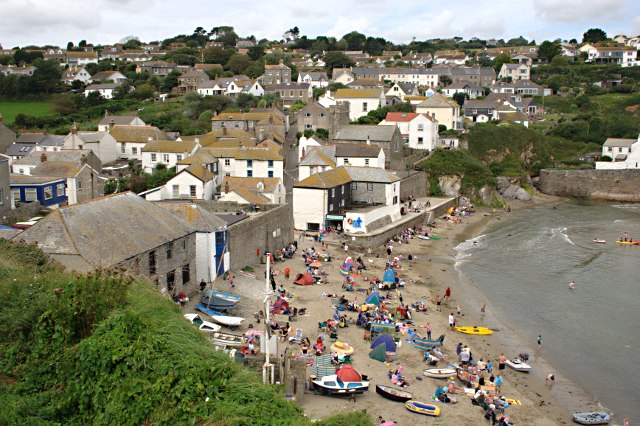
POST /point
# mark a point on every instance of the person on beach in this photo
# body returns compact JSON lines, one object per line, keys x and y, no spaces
{"x":483,"y":310}
{"x":389,"y":250}
{"x":410,"y":260}
{"x":539,"y":340}
{"x":203,"y":285}
{"x":625,"y":422}
{"x":502,"y":362}
{"x":452,"y":320}
{"x":438,"y":303}
{"x":428,"y":328}
{"x":287,"y":272}
{"x":551,"y":378}
{"x":498,"y":382}
{"x":447,"y":294}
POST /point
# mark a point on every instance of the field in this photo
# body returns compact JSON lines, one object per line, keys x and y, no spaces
{"x":10,"y":109}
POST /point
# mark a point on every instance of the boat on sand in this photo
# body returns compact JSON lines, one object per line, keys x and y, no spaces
{"x":474,"y":330}
{"x":333,"y":385}
{"x":598,"y":241}
{"x":422,"y":408}
{"x":439,"y":373}
{"x":591,"y":418}
{"x":394,"y":394}
{"x":518,"y":365}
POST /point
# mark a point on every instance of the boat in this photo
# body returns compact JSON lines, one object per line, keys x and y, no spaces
{"x":226,"y":339}
{"x":597,"y":241}
{"x":220,"y":317}
{"x":219,"y":299}
{"x":422,"y":408}
{"x":206,"y":326}
{"x":440,"y":373}
{"x":394,"y":394}
{"x":629,"y":243}
{"x":423,"y":237}
{"x":333,"y":385}
{"x":474,"y":330}
{"x":591,"y":418}
{"x":518,"y":365}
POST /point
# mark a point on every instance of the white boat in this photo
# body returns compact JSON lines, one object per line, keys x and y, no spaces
{"x":518,"y":365}
{"x":220,"y":317}
{"x":440,"y":373}
{"x":591,"y":418}
{"x":206,"y":326}
{"x":597,"y":241}
{"x":333,"y":385}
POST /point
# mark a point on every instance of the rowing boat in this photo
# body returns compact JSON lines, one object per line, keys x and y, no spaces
{"x":439,"y":373}
{"x":394,"y":394}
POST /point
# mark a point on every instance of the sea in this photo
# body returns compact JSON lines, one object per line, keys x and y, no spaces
{"x":523,"y":264}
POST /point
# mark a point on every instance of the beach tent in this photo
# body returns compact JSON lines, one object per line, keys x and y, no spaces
{"x":386,"y":340}
{"x":280,"y":305}
{"x":348,"y":374}
{"x":303,"y":279}
{"x":373,"y":299}
{"x":379,"y":353}
{"x":389,"y":276}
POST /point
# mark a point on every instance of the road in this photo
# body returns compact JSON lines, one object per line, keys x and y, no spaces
{"x":291,"y":160}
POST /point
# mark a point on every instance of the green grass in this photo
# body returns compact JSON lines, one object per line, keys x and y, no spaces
{"x":9,"y":109}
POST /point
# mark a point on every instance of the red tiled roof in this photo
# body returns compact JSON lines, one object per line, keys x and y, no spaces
{"x":403,"y":116}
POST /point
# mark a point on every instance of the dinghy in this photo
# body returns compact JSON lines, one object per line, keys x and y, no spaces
{"x":333,"y":385}
{"x":203,"y":325}
{"x":219,"y":299}
{"x":439,"y":373}
{"x":422,"y":408}
{"x":219,"y":317}
{"x":394,"y":394}
{"x":474,"y":330}
{"x":591,"y":418}
{"x":518,"y":365}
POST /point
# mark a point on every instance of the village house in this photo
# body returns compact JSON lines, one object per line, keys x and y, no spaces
{"x":90,"y":236}
{"x":624,"y":154}
{"x":212,"y":250}
{"x":326,"y":157}
{"x":81,"y":59}
{"x":276,"y":74}
{"x":109,"y":77}
{"x":26,"y":71}
{"x":515,"y":72}
{"x":292,"y":93}
{"x":260,"y":124}
{"x":621,"y":55}
{"x":342,"y":76}
{"x":108,"y":121}
{"x":29,"y":142}
{"x":190,"y":81}
{"x":166,"y":152}
{"x":195,"y":182}
{"x":470,"y":89}
{"x":481,"y":76}
{"x":50,"y":192}
{"x":314,"y":116}
{"x":131,"y":139}
{"x":419,"y":131}
{"x":157,"y":68}
{"x":402,"y":90}
{"x":361,"y":101}
{"x":76,"y":74}
{"x":55,"y":54}
{"x":356,"y":198}
{"x":444,"y":111}
{"x":314,"y":78}
{"x":387,"y":137}
{"x":252,"y":190}
{"x":102,"y":144}
{"x":105,"y":89}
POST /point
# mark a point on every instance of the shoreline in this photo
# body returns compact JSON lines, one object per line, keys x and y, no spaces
{"x":565,"y":393}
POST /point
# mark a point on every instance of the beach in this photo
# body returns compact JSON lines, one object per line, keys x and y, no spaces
{"x":433,"y":272}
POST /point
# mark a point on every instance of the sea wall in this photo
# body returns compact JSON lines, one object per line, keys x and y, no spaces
{"x":413,"y":184}
{"x":610,"y":185}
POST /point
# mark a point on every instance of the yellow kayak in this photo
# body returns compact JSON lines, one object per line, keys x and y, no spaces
{"x":474,"y":330}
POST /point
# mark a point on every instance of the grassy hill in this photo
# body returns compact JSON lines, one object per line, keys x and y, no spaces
{"x":9,"y":109}
{"x":103,"y":349}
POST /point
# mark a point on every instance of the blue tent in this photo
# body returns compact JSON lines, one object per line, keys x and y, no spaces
{"x":389,"y":276}
{"x":387,"y":340}
{"x":373,"y":299}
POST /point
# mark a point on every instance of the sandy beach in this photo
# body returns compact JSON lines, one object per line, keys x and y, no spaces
{"x":542,"y":404}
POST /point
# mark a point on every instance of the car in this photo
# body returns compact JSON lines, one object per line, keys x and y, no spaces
{"x":205,"y":326}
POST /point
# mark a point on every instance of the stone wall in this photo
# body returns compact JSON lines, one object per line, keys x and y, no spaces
{"x":611,"y":185}
{"x":270,"y":230}
{"x":414,"y":184}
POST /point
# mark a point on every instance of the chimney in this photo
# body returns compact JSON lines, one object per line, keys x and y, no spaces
{"x":1,"y":119}
{"x":43,"y":157}
{"x":304,"y":152}
{"x":270,"y":119}
{"x":224,"y":131}
{"x":74,"y":128}
{"x":149,"y":139}
{"x":368,"y":140}
{"x":226,"y":187}
{"x":83,"y":159}
{"x":197,"y":141}
{"x":204,"y":171}
{"x":112,"y":123}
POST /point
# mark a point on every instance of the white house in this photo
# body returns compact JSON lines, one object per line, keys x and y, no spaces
{"x":131,"y":139}
{"x":470,"y":89}
{"x":72,"y":74}
{"x":625,"y":154}
{"x":361,"y":101}
{"x":419,"y":131}
{"x":257,"y":191}
{"x":103,"y":145}
{"x":105,"y":90}
{"x":314,"y":79}
{"x":323,"y":158}
{"x":444,"y":111}
{"x":109,"y":76}
{"x":108,"y":121}
{"x":402,"y":90}
{"x":343,"y":76}
{"x":515,"y":72}
{"x":305,"y":145}
{"x":195,"y":182}
{"x":166,"y":152}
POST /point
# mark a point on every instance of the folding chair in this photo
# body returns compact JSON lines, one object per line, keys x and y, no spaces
{"x":297,"y":337}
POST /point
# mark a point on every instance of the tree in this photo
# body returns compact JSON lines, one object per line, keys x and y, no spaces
{"x":460,"y":97}
{"x":502,"y":58}
{"x":237,"y":63}
{"x":355,"y":40}
{"x":549,"y":50}
{"x":216,"y":55}
{"x":519,"y":41}
{"x":256,"y":52}
{"x":337,"y":60}
{"x":46,"y":75}
{"x":64,"y":104}
{"x":594,"y":35}
{"x":445,"y":80}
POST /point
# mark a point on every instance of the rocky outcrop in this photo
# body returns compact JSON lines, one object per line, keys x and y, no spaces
{"x":450,"y":185}
{"x":509,"y":189}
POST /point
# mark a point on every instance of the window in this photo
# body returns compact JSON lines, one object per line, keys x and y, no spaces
{"x":21,"y":171}
{"x":192,"y":191}
{"x":79,"y":185}
{"x":176,"y":191}
{"x":270,"y":163}
{"x":171,"y":281}
{"x":420,"y":127}
{"x":227,"y":174}
{"x":249,"y":173}
{"x":30,"y":194}
{"x":186,"y":274}
{"x":365,"y":107}
{"x":366,"y":161}
{"x":354,"y":186}
{"x":219,"y":238}
{"x":16,"y":194}
{"x":153,"y":158}
{"x":179,"y":157}
{"x":369,"y":187}
{"x":165,"y":158}
{"x":1,"y":196}
{"x":333,"y":192}
{"x":48,"y":192}
{"x":270,"y":173}
{"x":420,"y":140}
{"x":308,"y":126}
{"x":346,"y":161}
{"x":184,"y":244}
{"x":291,"y":93}
{"x":249,"y":164}
{"x":395,"y":199}
{"x":330,"y":207}
{"x":152,"y":262}
{"x":227,"y":162}
{"x":307,"y":114}
{"x":169,"y":250}
{"x":134,"y":150}
{"x":342,"y":203}
{"x":123,"y":149}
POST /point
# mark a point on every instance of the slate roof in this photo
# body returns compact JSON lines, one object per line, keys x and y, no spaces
{"x":619,"y":142}
{"x":140,"y":134}
{"x":464,"y":85}
{"x":95,"y":231}
{"x":196,"y":216}
{"x":371,"y":174}
{"x":16,"y":179}
{"x":118,"y":120}
{"x":52,"y":140}
{"x":287,"y":86}
{"x":90,"y":137}
{"x":64,"y":155}
{"x":57,"y":168}
{"x":514,"y":116}
{"x":345,"y":174}
{"x":104,"y":86}
{"x":200,"y":172}
{"x":34,"y":138}
{"x":357,"y":150}
{"x":438,"y":101}
{"x":320,"y":156}
{"x":104,"y":75}
{"x":353,"y":132}
{"x":250,"y":183}
{"x":19,"y":149}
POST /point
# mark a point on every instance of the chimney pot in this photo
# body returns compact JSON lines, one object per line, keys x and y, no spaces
{"x":43,"y":157}
{"x":224,"y":130}
{"x":150,"y":139}
{"x":226,"y":187}
{"x":74,"y":128}
{"x":83,"y":159}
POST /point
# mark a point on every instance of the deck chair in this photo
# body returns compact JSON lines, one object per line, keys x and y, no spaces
{"x":297,"y":337}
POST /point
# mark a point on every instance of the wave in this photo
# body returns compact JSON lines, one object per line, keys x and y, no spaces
{"x":464,"y":248}
{"x":631,"y":206}
{"x":561,"y":232}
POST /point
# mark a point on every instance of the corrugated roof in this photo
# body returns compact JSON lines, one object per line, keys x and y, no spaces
{"x":107,"y":230}
{"x":358,"y":93}
{"x":169,"y":146}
